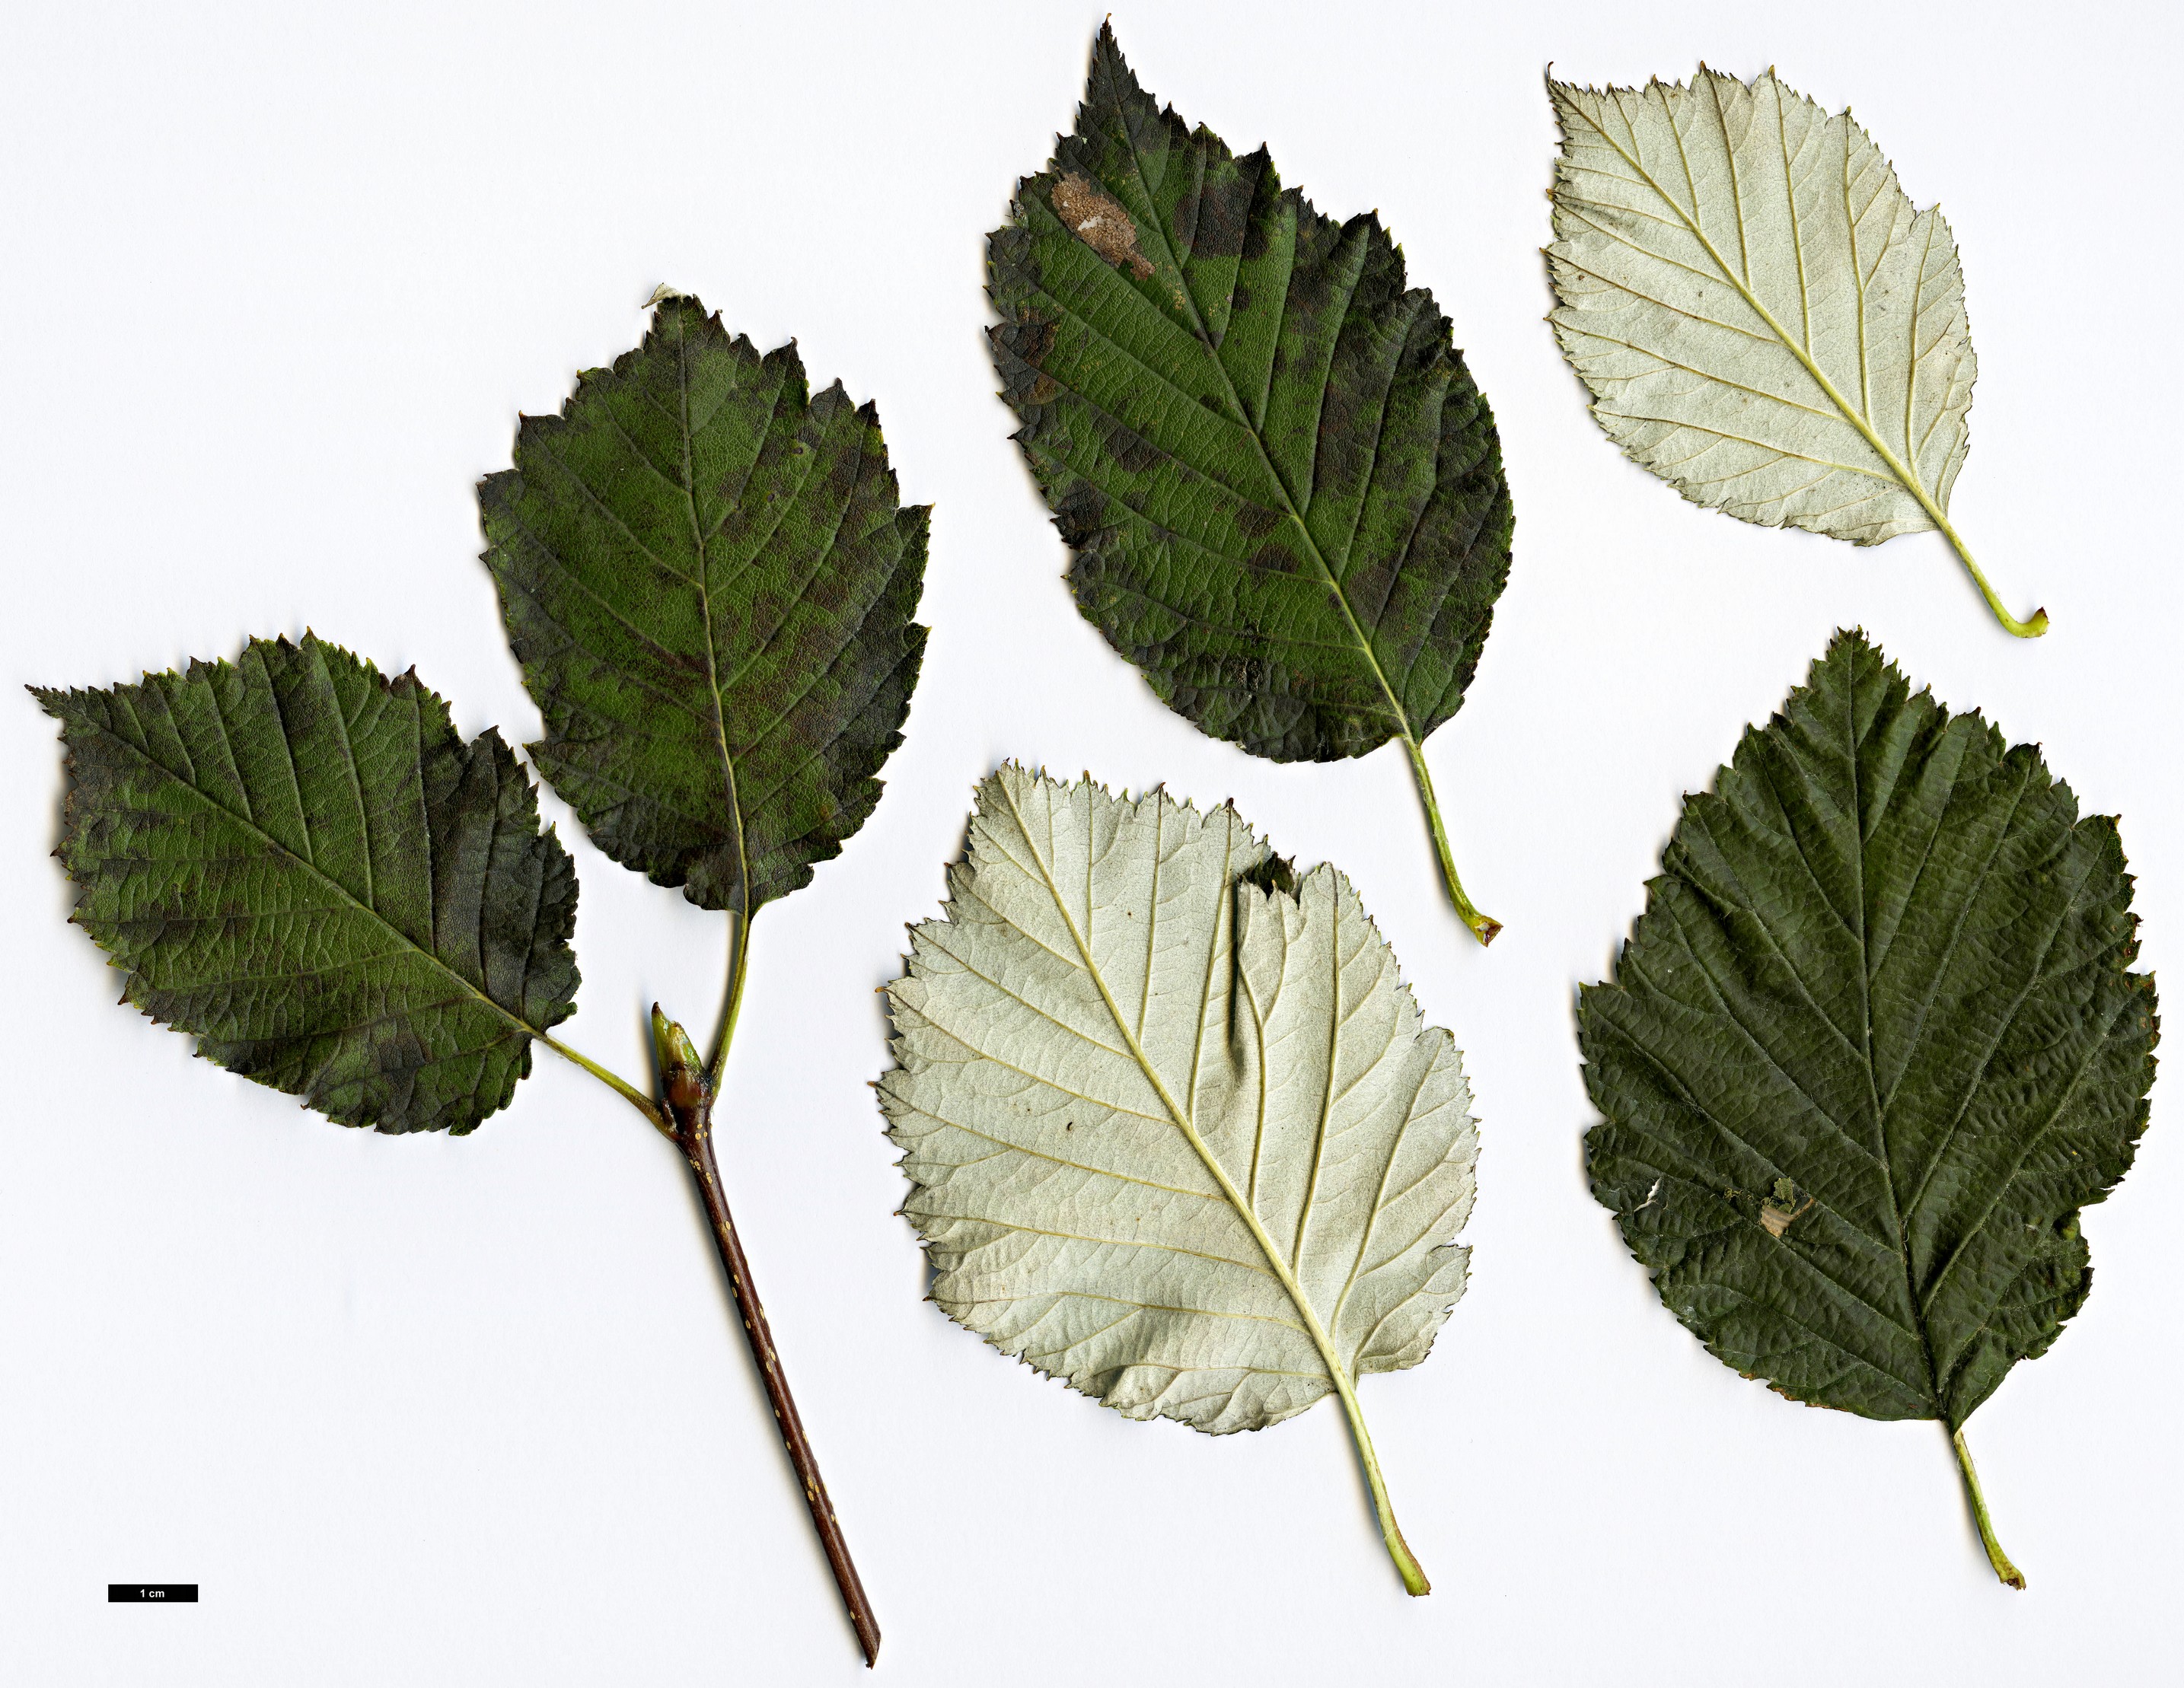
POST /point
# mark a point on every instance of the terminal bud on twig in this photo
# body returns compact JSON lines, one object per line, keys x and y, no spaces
{"x":683,"y":1082}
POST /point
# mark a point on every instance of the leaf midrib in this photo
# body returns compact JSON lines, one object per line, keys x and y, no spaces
{"x":317,"y":873}
{"x":1917,"y":1306}
{"x":1856,"y":818}
{"x":1266,"y":459}
{"x":1337,"y":1374}
{"x":703,"y":584}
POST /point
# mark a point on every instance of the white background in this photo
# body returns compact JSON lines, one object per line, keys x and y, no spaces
{"x":276,"y":282}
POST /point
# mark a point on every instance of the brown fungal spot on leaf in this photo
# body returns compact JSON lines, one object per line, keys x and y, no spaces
{"x":1097,"y":218}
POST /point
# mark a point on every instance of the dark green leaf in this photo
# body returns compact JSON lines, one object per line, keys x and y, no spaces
{"x":709,"y":582}
{"x":1284,"y":492}
{"x":302,"y":863}
{"x":1872,"y":1045}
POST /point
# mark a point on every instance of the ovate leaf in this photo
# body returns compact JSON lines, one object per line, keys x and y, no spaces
{"x":303,"y":864}
{"x":1176,"y":1133}
{"x":708,"y":579}
{"x":1873,"y":1044}
{"x":1763,"y":318}
{"x":1282,"y":490}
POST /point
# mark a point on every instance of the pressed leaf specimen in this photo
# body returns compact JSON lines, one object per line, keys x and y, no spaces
{"x":1762,"y":318}
{"x":1176,"y":1132}
{"x":1282,"y":488}
{"x":1873,"y":1044}
{"x":708,"y":580}
{"x":302,"y":863}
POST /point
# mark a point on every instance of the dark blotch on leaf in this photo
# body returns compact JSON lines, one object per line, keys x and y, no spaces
{"x":1081,"y":515}
{"x":1131,"y":455}
{"x":1211,"y":222}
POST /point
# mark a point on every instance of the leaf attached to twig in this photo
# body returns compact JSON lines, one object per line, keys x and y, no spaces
{"x":708,"y":580}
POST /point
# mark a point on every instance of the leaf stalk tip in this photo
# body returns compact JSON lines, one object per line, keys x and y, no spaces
{"x":2011,"y":1576}
{"x":1485,"y":927}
